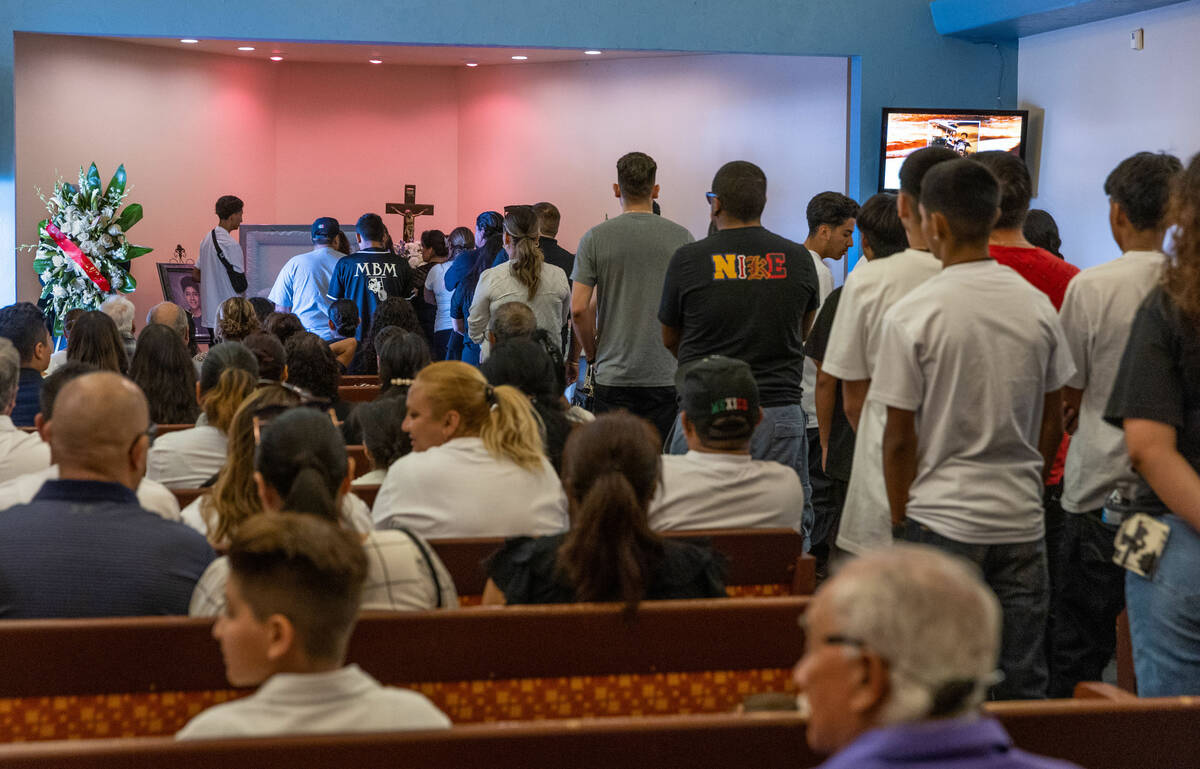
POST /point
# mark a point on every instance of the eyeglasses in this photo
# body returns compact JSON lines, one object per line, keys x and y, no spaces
{"x":150,"y":432}
{"x":711,"y":196}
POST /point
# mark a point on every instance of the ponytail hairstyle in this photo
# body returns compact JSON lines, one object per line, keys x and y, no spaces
{"x":526,"y":365}
{"x":461,"y":239}
{"x":401,"y":355}
{"x":344,"y":315}
{"x":227,"y":376}
{"x":521,"y":224}
{"x":302,"y":457}
{"x":501,"y":416}
{"x":234,"y":496}
{"x":612,"y":467}
{"x":436,"y":240}
{"x":491,"y":225}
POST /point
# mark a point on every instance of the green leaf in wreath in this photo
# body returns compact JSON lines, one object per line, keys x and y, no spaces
{"x":117,"y":183}
{"x":130,"y":216}
{"x":136,"y":251}
{"x":130,"y":284}
{"x":93,"y":178}
{"x":72,"y":191}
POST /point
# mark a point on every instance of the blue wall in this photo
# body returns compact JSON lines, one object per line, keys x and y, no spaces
{"x":900,"y":60}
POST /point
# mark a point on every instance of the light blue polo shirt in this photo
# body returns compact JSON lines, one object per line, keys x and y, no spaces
{"x":303,"y":285}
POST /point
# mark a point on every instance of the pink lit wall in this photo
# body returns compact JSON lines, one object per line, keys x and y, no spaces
{"x":298,"y":140}
{"x":554,"y":132}
{"x":350,"y":136}
{"x":189,"y":128}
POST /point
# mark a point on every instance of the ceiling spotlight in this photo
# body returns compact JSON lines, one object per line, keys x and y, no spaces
{"x":189,"y":41}
{"x":472,"y":64}
{"x":520,"y":58}
{"x":276,"y":58}
{"x":375,"y":61}
{"x":245,"y":48}
{"x":593,"y":53}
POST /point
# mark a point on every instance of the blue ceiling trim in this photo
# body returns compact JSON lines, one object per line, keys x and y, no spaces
{"x":993,"y":20}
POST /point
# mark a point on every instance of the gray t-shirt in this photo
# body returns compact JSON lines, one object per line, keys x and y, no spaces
{"x":625,"y":259}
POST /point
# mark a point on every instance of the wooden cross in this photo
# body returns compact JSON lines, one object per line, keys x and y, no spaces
{"x":410,"y":210}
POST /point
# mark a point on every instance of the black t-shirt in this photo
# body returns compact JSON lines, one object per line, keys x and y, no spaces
{"x":525,"y":570}
{"x":840,"y":454}
{"x":1159,"y":378}
{"x":744,"y":293}
{"x":367,"y":278}
{"x":557,"y":255}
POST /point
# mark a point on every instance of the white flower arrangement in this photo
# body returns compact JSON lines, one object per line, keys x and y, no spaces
{"x":82,"y":254}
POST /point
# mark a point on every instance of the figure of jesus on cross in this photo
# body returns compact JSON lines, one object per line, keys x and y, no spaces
{"x":410,"y":210}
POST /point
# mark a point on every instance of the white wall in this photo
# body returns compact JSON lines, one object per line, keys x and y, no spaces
{"x":1103,"y":102}
{"x":554,"y":132}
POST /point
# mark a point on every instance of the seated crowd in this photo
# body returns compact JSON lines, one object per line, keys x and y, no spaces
{"x":949,"y":374}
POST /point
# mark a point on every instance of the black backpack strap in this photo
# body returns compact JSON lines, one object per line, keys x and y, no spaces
{"x":437,"y":582}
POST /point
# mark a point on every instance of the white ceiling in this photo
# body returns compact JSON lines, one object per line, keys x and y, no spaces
{"x":407,"y":55}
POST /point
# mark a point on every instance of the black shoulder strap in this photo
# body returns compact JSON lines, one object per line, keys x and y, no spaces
{"x":437,"y":582}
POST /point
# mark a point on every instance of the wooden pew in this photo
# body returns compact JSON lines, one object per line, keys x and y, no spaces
{"x":358,"y":393}
{"x":684,"y":742}
{"x":148,"y":676}
{"x":759,"y":561}
{"x":164,"y":429}
{"x":359,"y":379}
{"x":1096,"y":735}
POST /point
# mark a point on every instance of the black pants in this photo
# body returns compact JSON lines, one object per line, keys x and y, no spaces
{"x":1090,"y":593}
{"x":441,"y":341}
{"x":454,"y":346}
{"x":654,"y":404}
{"x":827,"y":502}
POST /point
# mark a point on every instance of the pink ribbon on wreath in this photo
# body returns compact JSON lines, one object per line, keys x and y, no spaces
{"x":70,"y":249}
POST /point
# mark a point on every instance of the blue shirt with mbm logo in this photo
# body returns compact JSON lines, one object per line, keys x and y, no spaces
{"x":367,"y":278}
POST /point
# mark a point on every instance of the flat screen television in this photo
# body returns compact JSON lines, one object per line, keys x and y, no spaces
{"x":962,"y":130}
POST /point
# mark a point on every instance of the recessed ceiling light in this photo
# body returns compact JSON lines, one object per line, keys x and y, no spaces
{"x":520,"y":58}
{"x":593,"y":53}
{"x":189,"y":41}
{"x":472,"y":64}
{"x":375,"y":61}
{"x":245,"y":48}
{"x":276,"y":58}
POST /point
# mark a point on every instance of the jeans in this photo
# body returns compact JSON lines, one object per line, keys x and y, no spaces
{"x":780,"y":437}
{"x":826,"y":506}
{"x":1016,"y":573}
{"x":1164,"y":617}
{"x":1086,"y":600}
{"x":654,"y":404}
{"x":454,"y":347}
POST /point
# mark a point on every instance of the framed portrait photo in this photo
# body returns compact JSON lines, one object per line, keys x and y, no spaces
{"x":180,"y":287}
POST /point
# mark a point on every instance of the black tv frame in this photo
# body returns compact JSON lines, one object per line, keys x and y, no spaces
{"x":1023,"y":113}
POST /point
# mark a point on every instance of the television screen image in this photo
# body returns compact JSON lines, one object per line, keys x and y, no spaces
{"x":964,"y":131}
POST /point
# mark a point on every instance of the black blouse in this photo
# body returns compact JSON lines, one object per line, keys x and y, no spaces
{"x":525,"y":571}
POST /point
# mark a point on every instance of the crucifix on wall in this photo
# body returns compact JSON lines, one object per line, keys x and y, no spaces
{"x":410,"y":210}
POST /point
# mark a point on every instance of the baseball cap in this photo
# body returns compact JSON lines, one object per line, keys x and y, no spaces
{"x":325,"y":227}
{"x":719,"y":396}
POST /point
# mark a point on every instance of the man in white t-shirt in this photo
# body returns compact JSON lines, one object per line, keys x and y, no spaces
{"x":20,"y":452}
{"x":215,"y":286}
{"x":302,"y":286}
{"x":870,"y":291}
{"x":1097,"y":314}
{"x":831,"y":218}
{"x":716,"y":484}
{"x":292,"y":598}
{"x":971,"y":366}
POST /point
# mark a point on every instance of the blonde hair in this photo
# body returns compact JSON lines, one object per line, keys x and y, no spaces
{"x":234,"y":496}
{"x":222,"y":402}
{"x":502,"y":416}
{"x":521,"y":224}
{"x":237,"y":319}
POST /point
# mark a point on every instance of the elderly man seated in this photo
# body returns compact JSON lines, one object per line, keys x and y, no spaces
{"x":901,"y":647}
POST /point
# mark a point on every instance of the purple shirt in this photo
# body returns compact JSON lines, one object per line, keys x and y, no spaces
{"x":978,"y":743}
